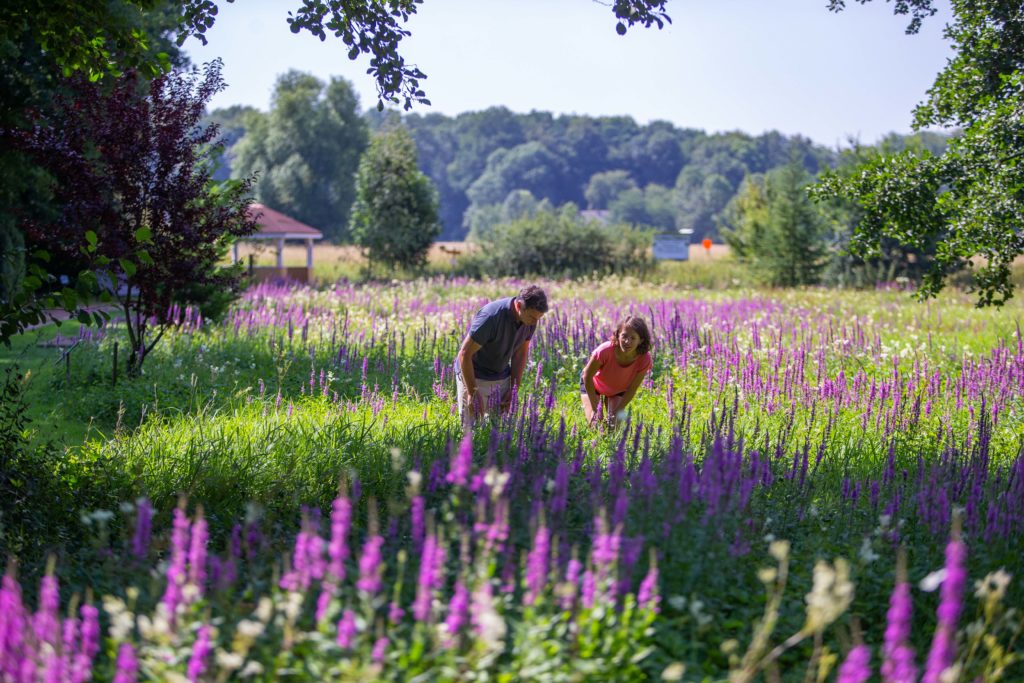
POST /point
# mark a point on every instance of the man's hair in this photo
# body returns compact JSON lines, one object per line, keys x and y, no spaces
{"x":638,"y":325}
{"x":532,"y":296}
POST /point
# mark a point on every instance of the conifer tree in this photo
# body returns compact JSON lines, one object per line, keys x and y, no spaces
{"x":776,"y":229}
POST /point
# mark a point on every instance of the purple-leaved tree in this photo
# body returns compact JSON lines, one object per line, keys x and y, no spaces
{"x":141,"y":222}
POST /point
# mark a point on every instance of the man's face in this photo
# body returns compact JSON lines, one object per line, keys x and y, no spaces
{"x":528,"y":316}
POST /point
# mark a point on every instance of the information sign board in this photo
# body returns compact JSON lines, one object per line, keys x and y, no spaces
{"x":671,"y":246}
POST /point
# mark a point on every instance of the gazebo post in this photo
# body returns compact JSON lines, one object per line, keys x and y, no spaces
{"x":234,"y":253}
{"x":309,"y":255}
{"x":280,"y":254}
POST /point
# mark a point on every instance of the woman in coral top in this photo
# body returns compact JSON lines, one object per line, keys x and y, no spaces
{"x":615,"y":370}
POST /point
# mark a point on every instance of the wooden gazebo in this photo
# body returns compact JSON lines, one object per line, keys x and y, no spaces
{"x":277,"y":227}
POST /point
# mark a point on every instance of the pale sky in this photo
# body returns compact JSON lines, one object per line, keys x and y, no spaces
{"x":748,"y":65}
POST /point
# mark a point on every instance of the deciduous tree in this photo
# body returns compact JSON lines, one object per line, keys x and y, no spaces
{"x":305,"y":152}
{"x":969,"y":202}
{"x":139,"y":215}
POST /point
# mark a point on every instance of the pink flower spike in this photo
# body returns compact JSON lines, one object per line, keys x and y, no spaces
{"x":857,"y":666}
{"x":347,"y":629}
{"x":943,"y":650}
{"x":127,"y":665}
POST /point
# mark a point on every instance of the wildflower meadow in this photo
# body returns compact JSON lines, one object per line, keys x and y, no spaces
{"x":810,"y":485}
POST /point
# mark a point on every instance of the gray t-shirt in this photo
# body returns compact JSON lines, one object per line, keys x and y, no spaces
{"x":499,"y":334}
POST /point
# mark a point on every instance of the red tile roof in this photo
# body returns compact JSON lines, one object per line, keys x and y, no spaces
{"x":274,"y":224}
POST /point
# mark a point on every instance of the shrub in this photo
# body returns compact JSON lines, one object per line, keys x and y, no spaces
{"x":560,"y":244}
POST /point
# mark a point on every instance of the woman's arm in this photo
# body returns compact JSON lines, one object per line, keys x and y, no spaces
{"x":631,"y":390}
{"x":593,"y":365}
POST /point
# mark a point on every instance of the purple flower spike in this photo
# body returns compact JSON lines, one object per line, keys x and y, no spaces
{"x":236,"y":541}
{"x":572,"y":579}
{"x":179,"y":563}
{"x":347,"y":629}
{"x":70,"y":628}
{"x":380,"y":648}
{"x":53,"y":671}
{"x":588,"y":590}
{"x":943,"y":650}
{"x":143,"y":528}
{"x":200,"y":652}
{"x":462,"y":462}
{"x":898,"y":663}
{"x":395,"y":613}
{"x":12,"y":626}
{"x":421,"y":606}
{"x":298,"y":578}
{"x":537,"y":565}
{"x":370,"y":565}
{"x":197,"y":553}
{"x":90,"y":631}
{"x":417,"y":513}
{"x":337,"y":549}
{"x":127,"y":665}
{"x":857,"y":666}
{"x":323,"y":601}
{"x":431,"y":575}
{"x":45,"y":621}
{"x":606,"y":546}
{"x":457,"y":612}
{"x":647,"y":597}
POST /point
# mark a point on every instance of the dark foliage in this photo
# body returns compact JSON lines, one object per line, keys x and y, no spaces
{"x":140,"y":218}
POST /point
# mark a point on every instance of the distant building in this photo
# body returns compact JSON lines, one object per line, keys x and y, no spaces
{"x":276,"y":227}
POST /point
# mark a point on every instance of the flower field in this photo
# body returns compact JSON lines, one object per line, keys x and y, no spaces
{"x":810,"y":485}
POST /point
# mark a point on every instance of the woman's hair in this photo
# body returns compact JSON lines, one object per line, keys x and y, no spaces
{"x":638,"y":325}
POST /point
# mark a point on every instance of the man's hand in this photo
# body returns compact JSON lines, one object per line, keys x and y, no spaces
{"x":506,"y":401}
{"x":474,"y":404}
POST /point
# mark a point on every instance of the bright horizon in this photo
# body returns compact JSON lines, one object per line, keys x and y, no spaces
{"x":721,"y":66}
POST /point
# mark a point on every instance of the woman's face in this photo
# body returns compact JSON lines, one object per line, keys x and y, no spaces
{"x":629,"y":340}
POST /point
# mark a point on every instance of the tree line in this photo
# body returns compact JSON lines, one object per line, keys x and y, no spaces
{"x":656,"y":175}
{"x":493,"y":168}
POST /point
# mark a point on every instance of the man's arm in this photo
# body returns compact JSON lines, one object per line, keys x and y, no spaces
{"x":465,"y":356}
{"x":519,"y":358}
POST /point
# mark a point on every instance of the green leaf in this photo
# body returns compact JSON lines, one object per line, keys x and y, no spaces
{"x":143,"y":234}
{"x":144,"y":257}
{"x":127,"y":266}
{"x":91,"y":238}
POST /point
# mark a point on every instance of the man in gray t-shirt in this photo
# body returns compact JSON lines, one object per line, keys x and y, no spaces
{"x":493,"y":356}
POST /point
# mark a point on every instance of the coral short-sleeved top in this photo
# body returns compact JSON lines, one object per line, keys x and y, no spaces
{"x":612,"y":378}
